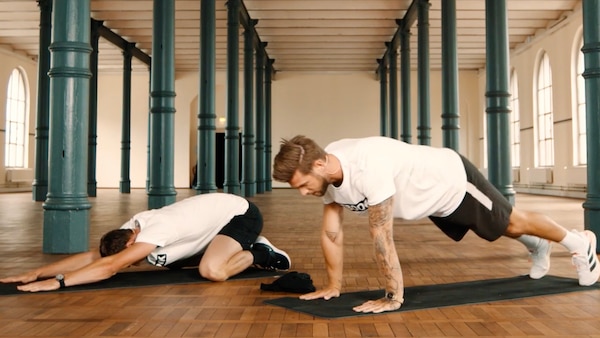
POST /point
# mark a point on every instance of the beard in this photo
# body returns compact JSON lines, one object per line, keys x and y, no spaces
{"x":323,"y":186}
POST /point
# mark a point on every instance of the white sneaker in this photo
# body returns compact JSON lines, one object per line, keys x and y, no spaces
{"x":586,"y":262}
{"x":277,"y":258}
{"x":540,"y":257}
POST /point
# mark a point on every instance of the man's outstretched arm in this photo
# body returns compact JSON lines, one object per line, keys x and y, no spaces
{"x":381,"y":222}
{"x":99,"y":269}
{"x":332,"y":243}
{"x":68,"y":264}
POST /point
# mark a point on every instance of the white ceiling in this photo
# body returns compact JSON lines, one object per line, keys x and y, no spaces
{"x":302,"y":35}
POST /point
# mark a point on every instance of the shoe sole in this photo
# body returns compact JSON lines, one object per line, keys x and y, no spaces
{"x":548,"y":253}
{"x":592,"y":259}
{"x":263,"y":240}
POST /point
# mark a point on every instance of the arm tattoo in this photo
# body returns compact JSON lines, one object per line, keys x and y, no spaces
{"x":381,"y":213}
{"x":381,"y":227}
{"x":331,"y":235}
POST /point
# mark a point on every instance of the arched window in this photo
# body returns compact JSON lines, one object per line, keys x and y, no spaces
{"x":16,"y":118}
{"x":515,"y":121}
{"x":544,"y":119}
{"x":579,"y":118}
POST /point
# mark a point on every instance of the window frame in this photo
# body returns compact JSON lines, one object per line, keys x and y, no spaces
{"x":579,"y":111}
{"x":16,"y":124}
{"x":544,"y":121}
{"x":515,"y":120}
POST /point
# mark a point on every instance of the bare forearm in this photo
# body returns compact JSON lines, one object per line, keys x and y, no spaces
{"x":106,"y":267}
{"x":68,"y":264}
{"x":389,"y":264}
{"x":83,"y":268}
{"x":332,"y":244}
{"x":95,"y":272}
{"x":381,"y":227}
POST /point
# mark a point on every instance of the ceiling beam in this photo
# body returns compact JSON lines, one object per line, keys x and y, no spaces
{"x":123,"y":44}
{"x":250,"y":23}
{"x":404,"y":24}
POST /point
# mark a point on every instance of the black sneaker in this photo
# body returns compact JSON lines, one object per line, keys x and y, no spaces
{"x":278,"y":259}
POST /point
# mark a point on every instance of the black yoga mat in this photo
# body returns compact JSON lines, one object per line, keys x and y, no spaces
{"x":435,"y":296}
{"x":145,"y":278}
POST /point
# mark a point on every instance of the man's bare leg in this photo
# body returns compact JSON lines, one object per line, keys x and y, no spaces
{"x":224,"y":258}
{"x":582,"y":245}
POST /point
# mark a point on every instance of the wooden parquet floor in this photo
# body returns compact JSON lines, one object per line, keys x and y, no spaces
{"x":236,"y":309}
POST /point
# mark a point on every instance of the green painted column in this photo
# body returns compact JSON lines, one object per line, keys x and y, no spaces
{"x":268,"y":125}
{"x":66,"y":210}
{"x":405,"y":84}
{"x":450,"y":114}
{"x":232,"y":138}
{"x":149,"y":127}
{"x":497,"y":94}
{"x":248,"y":173}
{"x":591,"y":74}
{"x":392,"y":54}
{"x":383,"y":98}
{"x":206,"y":114}
{"x":93,"y":110}
{"x":40,"y":181}
{"x":424,"y":109}
{"x":125,"y":181}
{"x":161,"y":191}
{"x":260,"y":121}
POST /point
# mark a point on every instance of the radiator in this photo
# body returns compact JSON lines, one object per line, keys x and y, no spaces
{"x":541,"y":175}
{"x":17,"y":175}
{"x":516,"y":174}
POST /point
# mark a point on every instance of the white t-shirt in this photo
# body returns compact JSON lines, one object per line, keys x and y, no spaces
{"x":425,"y":181}
{"x":185,"y":228}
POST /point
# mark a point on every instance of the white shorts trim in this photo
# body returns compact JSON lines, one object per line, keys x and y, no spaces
{"x":479,"y":196}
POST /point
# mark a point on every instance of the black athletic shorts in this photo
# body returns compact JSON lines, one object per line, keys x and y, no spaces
{"x":484,"y":210}
{"x":243,"y":228}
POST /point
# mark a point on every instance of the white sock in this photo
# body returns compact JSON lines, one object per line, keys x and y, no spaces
{"x":574,"y":243}
{"x":531,"y":242}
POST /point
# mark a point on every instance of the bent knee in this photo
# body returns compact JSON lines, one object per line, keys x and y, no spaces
{"x":518,"y":223}
{"x":212,"y":273}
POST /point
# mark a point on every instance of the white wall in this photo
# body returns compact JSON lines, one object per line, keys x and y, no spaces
{"x":330,"y":106}
{"x":324,"y":106}
{"x":110,"y":107}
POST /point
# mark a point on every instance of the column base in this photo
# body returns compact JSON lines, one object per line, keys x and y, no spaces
{"x":66,"y":231}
